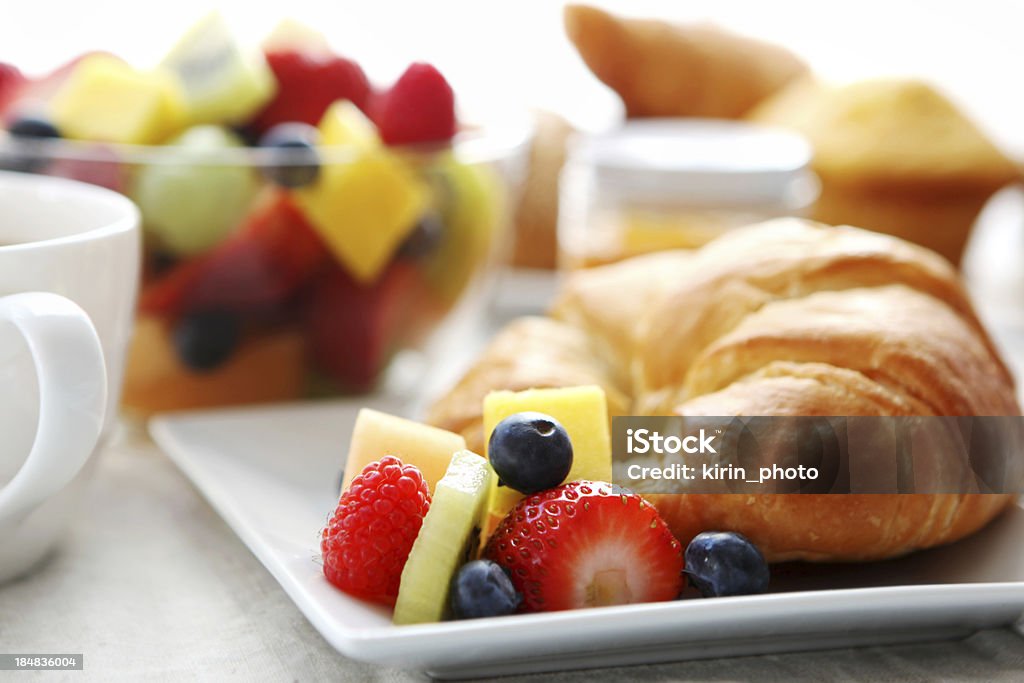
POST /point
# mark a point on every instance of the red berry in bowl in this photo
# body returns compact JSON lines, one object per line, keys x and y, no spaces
{"x":368,"y":538}
{"x":257,"y":269}
{"x":587,"y":544}
{"x":353,"y":329}
{"x":11,"y":80}
{"x":102,"y":167}
{"x":418,"y":108}
{"x":308,"y":83}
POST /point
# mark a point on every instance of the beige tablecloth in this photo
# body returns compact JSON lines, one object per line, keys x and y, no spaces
{"x":152,"y":585}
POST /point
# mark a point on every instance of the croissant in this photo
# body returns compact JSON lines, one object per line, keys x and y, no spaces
{"x":661,"y":69}
{"x":783,"y":318}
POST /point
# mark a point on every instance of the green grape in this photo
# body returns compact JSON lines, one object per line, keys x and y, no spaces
{"x":192,"y":197}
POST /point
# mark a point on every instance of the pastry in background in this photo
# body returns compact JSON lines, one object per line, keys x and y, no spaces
{"x":782,"y":318}
{"x":665,"y":70}
{"x":536,"y":219}
{"x":894,"y":156}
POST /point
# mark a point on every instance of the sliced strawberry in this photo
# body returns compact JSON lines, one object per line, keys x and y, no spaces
{"x":308,"y":83}
{"x":352,"y":329}
{"x":256,"y":270}
{"x":419,"y":107}
{"x":587,"y":544}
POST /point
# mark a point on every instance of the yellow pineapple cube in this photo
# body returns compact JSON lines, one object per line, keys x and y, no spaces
{"x":583,"y":411}
{"x":378,"y":434}
{"x":105,"y":99}
{"x":365,"y":207}
{"x":344,"y":124}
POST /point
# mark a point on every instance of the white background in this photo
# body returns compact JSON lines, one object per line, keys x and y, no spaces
{"x":516,"y":52}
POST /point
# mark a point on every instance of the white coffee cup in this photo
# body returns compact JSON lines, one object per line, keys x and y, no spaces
{"x":69,"y":262}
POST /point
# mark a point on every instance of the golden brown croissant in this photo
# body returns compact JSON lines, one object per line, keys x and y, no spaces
{"x":661,"y":69}
{"x":782,"y":318}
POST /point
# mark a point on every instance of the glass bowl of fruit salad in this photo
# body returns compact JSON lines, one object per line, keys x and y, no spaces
{"x":302,"y":227}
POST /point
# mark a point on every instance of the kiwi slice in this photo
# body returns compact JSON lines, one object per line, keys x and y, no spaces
{"x":447,"y":534}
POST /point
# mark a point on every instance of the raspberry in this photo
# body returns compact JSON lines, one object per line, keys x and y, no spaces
{"x":370,"y":534}
{"x":419,"y":108}
{"x":307,"y":83}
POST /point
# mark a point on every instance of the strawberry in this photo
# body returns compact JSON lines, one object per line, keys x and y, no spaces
{"x":308,"y":83}
{"x":256,"y":270}
{"x":368,"y":538}
{"x":352,"y":329}
{"x":418,"y":108}
{"x":587,"y":544}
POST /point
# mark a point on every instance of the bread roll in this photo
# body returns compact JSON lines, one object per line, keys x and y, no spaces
{"x":893,"y":155}
{"x":783,"y":318}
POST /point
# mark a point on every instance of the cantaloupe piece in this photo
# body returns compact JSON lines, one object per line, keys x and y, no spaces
{"x":378,"y":434}
{"x":268,"y":368}
{"x":583,"y":411}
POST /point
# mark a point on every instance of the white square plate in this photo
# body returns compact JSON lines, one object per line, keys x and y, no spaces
{"x":273,"y":473}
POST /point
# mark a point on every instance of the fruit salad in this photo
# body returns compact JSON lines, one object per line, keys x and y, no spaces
{"x":525,"y":529}
{"x":302,"y":224}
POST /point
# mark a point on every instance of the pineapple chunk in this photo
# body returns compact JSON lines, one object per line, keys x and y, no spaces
{"x":221,"y":82}
{"x":107,"y":100}
{"x":344,"y":124}
{"x":583,"y":412}
{"x":378,"y":434}
{"x":445,"y":540}
{"x":364,"y":207}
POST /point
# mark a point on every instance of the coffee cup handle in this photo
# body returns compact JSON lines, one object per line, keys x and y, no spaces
{"x":72,"y":381}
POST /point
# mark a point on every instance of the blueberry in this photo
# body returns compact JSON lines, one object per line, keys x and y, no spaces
{"x":530,"y":452}
{"x":160,"y":262}
{"x":246,"y":134}
{"x":483,"y":589}
{"x":721,"y":563}
{"x":26,"y":130}
{"x":33,"y":127}
{"x":423,"y":239}
{"x":205,"y":340}
{"x":296,"y":163}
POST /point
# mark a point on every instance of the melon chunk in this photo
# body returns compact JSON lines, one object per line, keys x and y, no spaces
{"x":445,"y":540}
{"x":583,"y":411}
{"x":265,"y":368}
{"x":378,"y":434}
